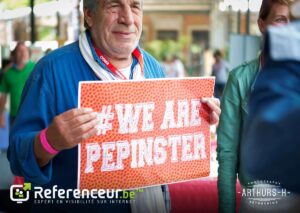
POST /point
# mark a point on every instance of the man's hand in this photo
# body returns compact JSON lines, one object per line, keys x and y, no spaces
{"x":214,"y":105}
{"x":70,"y":128}
{"x":66,"y":131}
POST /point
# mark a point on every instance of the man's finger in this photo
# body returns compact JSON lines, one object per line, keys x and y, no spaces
{"x":82,"y":119}
{"x":82,"y":129}
{"x":70,"y":114}
{"x":214,"y":106}
{"x":88,"y":134}
{"x":214,"y":118}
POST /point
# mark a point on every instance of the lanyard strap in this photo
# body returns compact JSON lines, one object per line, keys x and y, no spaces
{"x":136,"y":53}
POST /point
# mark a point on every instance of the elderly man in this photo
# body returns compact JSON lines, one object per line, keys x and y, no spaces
{"x":43,"y":146}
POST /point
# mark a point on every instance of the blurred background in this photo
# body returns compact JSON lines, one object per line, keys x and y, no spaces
{"x":188,"y":28}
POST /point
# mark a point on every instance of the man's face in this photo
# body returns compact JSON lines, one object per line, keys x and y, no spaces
{"x":116,"y":26}
{"x":279,"y":15}
{"x":22,"y":54}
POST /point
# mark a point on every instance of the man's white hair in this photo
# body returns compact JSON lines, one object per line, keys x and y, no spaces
{"x":91,"y":5}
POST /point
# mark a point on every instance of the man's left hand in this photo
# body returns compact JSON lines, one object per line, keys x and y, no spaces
{"x":214,"y":105}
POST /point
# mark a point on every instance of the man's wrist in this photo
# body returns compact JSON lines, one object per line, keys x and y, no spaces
{"x":45,"y":143}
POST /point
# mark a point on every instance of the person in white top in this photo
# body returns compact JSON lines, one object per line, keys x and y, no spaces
{"x":173,"y":67}
{"x":220,"y":70}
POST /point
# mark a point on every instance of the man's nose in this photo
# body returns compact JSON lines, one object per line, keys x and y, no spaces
{"x":126,"y":15}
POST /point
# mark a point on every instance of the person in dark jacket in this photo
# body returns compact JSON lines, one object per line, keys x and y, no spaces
{"x":271,"y":145}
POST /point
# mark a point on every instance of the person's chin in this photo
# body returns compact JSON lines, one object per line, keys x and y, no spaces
{"x":126,"y":47}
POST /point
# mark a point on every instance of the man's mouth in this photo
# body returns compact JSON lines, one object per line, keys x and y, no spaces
{"x":122,"y":32}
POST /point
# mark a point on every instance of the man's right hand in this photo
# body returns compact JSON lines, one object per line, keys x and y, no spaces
{"x":68,"y":129}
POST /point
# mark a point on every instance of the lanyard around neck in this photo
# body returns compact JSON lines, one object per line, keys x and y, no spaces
{"x":136,"y":53}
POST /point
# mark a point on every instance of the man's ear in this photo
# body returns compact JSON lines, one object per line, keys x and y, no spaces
{"x":261,"y":25}
{"x":88,"y":17}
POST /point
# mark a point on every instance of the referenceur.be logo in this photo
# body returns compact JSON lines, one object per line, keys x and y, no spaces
{"x":21,"y":193}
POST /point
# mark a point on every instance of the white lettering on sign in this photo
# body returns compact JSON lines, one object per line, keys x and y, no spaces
{"x":144,"y":152}
{"x":129,"y":115}
{"x":188,"y":114}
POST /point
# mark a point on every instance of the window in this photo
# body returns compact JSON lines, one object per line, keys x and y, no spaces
{"x":200,"y":41}
{"x":199,"y":36}
{"x":167,"y":35}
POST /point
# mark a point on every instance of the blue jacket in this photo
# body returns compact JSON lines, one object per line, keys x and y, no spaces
{"x":271,"y":145}
{"x":51,"y":90}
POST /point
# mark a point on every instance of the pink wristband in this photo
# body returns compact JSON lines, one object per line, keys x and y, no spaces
{"x":46,"y":144}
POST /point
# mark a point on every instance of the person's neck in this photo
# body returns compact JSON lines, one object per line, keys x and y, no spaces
{"x":120,"y":63}
{"x":20,"y":65}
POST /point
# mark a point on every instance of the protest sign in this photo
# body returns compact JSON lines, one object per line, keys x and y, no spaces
{"x":149,"y":132}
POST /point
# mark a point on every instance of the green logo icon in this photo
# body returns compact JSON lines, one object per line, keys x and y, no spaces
{"x":20,"y":193}
{"x":27,"y":186}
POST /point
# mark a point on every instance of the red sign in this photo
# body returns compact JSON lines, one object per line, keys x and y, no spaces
{"x":150,"y":132}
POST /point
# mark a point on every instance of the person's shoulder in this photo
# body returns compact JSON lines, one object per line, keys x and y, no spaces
{"x":148,"y":57}
{"x":224,"y":62}
{"x":248,"y":68}
{"x":52,"y":62}
{"x":31,"y":64}
{"x":68,"y":54}
{"x":153,"y":68}
{"x":9,"y":72}
{"x":62,"y":53}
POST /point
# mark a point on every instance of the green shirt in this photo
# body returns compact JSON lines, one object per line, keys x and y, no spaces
{"x":234,"y":111}
{"x":13,"y":82}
